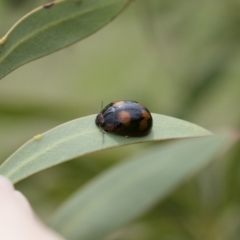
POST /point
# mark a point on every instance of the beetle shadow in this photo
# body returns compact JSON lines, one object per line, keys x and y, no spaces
{"x":108,"y":138}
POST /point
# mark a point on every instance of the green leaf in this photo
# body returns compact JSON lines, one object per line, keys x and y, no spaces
{"x":82,"y":136}
{"x":128,"y":189}
{"x":52,"y":27}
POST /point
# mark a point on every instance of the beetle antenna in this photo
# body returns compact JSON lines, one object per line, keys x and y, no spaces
{"x":103,"y":132}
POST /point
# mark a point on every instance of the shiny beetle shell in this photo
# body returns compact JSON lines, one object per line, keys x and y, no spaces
{"x":126,"y":118}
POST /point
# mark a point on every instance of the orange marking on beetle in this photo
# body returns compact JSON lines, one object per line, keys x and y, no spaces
{"x":48,"y":5}
{"x":144,"y":122}
{"x":124,"y":117}
{"x":118,"y":103}
{"x":109,"y":127}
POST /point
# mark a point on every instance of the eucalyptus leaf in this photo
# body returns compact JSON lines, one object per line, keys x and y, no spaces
{"x":81,"y":136}
{"x":52,"y":27}
{"x":130,"y":188}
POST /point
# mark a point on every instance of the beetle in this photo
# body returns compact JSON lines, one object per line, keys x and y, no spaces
{"x":127,"y":118}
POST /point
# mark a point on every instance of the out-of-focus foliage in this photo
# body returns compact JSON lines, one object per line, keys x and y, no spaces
{"x":180,"y":58}
{"x":16,"y":3}
{"x":51,"y":27}
{"x":132,"y":187}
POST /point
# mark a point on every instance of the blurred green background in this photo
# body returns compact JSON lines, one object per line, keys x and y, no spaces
{"x":179,"y":58}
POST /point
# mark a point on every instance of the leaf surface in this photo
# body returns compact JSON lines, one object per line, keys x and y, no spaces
{"x":81,"y":136}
